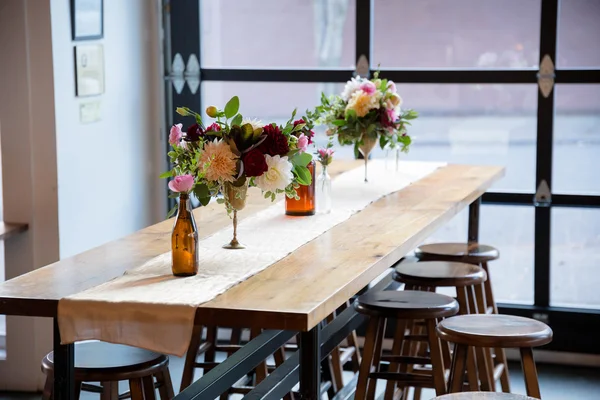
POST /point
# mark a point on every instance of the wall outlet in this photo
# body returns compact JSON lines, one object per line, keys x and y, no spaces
{"x":89,"y":112}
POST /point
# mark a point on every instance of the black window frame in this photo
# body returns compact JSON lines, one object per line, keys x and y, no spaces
{"x":571,"y":325}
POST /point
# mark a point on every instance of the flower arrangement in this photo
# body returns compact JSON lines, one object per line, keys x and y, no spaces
{"x":325,"y":154}
{"x":367,"y":111}
{"x":237,"y":152}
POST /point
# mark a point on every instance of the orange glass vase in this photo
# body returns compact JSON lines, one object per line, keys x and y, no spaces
{"x":306,"y":204}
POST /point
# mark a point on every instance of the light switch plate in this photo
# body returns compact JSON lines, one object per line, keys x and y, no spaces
{"x":89,"y":112}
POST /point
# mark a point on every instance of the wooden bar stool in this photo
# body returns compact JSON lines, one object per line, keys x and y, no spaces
{"x":110,"y":363}
{"x":478,"y":254}
{"x":498,"y":331}
{"x":402,"y":306}
{"x":483,"y":396}
{"x":467,"y":279}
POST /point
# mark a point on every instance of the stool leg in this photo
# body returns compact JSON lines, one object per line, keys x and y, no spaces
{"x":279,"y":357}
{"x":465,"y":308}
{"x":368,"y":356}
{"x":190,"y":358}
{"x":530,"y":372}
{"x":110,"y":391}
{"x":335,"y":365}
{"x":457,"y":372}
{"x":211,"y":337}
{"x":78,"y":389}
{"x":352,"y":340}
{"x":148,"y":387}
{"x":485,"y":360}
{"x":376,"y":359}
{"x":261,"y":369}
{"x":48,"y":387}
{"x":437,"y":362}
{"x":165,"y":386}
{"x":390,"y":386}
{"x":500,"y":354}
{"x":136,"y":389}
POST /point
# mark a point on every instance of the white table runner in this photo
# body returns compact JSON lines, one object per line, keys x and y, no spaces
{"x":148,"y":307}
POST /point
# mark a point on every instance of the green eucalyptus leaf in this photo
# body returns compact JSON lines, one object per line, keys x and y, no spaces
{"x":201,"y":191}
{"x":338,"y":122}
{"x":232,"y":107}
{"x":167,"y":174}
{"x":303,"y":175}
{"x":301,"y":159}
{"x":172,"y":212}
{"x":237,"y":120}
{"x":204,"y":200}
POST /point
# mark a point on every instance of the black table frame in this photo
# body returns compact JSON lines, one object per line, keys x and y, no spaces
{"x":303,"y":366}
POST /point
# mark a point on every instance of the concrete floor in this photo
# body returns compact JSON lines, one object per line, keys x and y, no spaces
{"x":556,"y":382}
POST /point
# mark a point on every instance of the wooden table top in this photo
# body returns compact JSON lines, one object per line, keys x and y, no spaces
{"x":298,"y":291}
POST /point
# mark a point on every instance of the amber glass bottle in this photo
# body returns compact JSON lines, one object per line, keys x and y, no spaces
{"x":306,"y":204}
{"x":184,"y":240}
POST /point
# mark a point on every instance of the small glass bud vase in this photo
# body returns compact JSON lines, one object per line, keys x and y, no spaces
{"x":306,"y":204}
{"x":184,"y":240}
{"x":324,"y":192}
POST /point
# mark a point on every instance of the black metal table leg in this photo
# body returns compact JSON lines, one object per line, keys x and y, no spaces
{"x":310,"y":364}
{"x":64,"y":364}
{"x":474,"y":221}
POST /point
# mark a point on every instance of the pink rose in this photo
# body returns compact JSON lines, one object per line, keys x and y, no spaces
{"x":175,"y":135}
{"x":182,"y":183}
{"x":368,"y":87}
{"x":302,"y":143}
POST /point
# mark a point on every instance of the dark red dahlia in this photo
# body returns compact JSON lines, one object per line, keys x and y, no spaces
{"x":275,"y":143}
{"x":254,"y":163}
{"x":194,"y":133}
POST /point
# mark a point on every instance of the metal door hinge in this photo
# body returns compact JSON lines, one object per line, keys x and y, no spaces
{"x":182,"y":73}
{"x":546,"y":76}
{"x":362,"y":66}
{"x":543,"y":196}
{"x":542,"y":317}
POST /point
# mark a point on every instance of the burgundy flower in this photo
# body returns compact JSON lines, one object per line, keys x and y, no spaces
{"x":214,"y":127}
{"x":387,"y":118}
{"x":299,"y":121}
{"x":254,"y":163}
{"x":310,"y":135}
{"x":276,"y":143}
{"x":194,"y":133}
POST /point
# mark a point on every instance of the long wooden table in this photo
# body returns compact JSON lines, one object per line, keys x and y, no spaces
{"x":296,"y":293}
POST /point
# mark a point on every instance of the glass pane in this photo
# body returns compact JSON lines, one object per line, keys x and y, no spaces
{"x":476,"y":124}
{"x":463,"y":124}
{"x":575,"y":258}
{"x":576,"y":139}
{"x":269,"y":101}
{"x":511,"y":230}
{"x":278,"y":33}
{"x":578,"y":33}
{"x":456,"y":34}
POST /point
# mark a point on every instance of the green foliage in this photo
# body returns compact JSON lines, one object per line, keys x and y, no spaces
{"x":172,"y":211}
{"x":165,"y":175}
{"x":237,"y":120}
{"x":232,"y":107}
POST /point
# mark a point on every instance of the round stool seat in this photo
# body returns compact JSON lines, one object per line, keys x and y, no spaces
{"x":503,"y":331}
{"x":406,"y":304}
{"x":439,"y":274}
{"x":465,"y":252}
{"x":483,"y":396}
{"x":100,"y":361}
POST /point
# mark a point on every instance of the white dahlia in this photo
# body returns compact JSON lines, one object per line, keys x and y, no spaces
{"x":278,"y":176}
{"x":351,"y":86}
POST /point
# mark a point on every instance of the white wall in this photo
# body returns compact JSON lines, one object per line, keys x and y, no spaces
{"x":82,"y":184}
{"x":108,"y":171}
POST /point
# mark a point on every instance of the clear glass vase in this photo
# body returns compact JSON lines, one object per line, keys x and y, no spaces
{"x":323,"y":192}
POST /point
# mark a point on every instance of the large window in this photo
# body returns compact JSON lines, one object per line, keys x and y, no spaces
{"x":472,"y":69}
